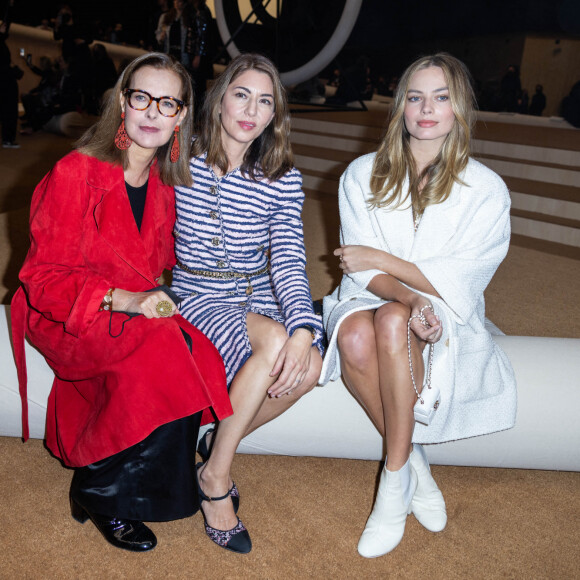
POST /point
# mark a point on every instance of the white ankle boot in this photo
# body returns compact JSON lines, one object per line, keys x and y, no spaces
{"x":428,"y":504}
{"x":386,"y":524}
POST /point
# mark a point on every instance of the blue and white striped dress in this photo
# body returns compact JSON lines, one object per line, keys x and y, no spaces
{"x":237,"y":224}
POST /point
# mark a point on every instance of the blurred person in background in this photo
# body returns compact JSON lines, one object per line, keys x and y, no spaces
{"x":538,"y":103}
{"x":9,"y":77}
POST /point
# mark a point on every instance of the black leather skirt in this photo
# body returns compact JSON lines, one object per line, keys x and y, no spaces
{"x":154,"y":480}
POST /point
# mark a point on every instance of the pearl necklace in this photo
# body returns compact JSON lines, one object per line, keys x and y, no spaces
{"x":416,"y":220}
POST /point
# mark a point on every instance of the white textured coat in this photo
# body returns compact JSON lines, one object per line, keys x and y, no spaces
{"x":458,"y":247}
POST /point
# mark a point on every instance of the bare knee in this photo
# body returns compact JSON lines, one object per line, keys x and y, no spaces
{"x":356,"y":341}
{"x":267,"y":337}
{"x":272,"y":344}
{"x":390,"y":324}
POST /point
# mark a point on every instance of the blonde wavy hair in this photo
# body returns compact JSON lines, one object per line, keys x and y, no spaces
{"x":99,"y":140}
{"x":394,"y":160}
{"x":270,"y":154}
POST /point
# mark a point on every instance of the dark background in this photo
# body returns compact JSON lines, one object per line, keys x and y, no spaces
{"x":381,"y":22}
{"x":378,"y":17}
{"x":383,"y":32}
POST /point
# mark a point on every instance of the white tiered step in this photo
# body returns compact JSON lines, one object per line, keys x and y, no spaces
{"x":539,"y":163}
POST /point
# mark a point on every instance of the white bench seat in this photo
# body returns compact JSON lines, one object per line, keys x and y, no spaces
{"x":329,"y":422}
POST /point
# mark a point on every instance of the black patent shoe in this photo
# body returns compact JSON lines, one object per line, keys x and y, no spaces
{"x":236,"y":540}
{"x":126,"y":534}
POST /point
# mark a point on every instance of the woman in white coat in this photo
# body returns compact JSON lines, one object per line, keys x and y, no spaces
{"x":423,"y":229}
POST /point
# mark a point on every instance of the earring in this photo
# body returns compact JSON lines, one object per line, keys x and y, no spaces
{"x":122,"y":140}
{"x":175,"y":147}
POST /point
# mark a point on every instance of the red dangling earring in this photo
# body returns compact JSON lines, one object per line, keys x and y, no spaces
{"x":122,"y":140}
{"x":175,"y":147}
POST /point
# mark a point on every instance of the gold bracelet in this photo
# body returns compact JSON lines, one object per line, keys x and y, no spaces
{"x":107,"y":303}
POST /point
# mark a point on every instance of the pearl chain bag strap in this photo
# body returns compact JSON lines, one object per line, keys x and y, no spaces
{"x":429,"y":398}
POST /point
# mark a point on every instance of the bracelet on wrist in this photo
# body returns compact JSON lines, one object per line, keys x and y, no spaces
{"x":309,"y":329}
{"x":107,"y":303}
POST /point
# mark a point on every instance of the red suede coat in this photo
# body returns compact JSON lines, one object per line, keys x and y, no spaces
{"x":109,"y":393}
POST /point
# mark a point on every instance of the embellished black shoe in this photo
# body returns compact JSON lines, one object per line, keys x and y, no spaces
{"x":237,"y":539}
{"x":126,"y":534}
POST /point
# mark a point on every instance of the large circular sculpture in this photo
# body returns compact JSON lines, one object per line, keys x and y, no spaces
{"x":297,"y":17}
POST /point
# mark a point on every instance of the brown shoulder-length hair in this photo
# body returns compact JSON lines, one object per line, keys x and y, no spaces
{"x":99,"y":140}
{"x":394,"y":160}
{"x":269,"y":154}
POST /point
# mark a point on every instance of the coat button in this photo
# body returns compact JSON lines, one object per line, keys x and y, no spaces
{"x":447,"y":343}
{"x":213,"y":215}
{"x":220,"y":264}
{"x":213,"y":190}
{"x":242,"y":304}
{"x":215,"y":241}
{"x":353,"y":298}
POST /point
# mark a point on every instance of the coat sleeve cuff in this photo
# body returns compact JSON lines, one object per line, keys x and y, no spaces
{"x":86,"y":305}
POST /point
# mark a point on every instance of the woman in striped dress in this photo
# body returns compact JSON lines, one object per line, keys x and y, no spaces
{"x":241,"y":270}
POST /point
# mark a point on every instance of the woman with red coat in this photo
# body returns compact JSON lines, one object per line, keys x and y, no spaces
{"x":132,"y":377}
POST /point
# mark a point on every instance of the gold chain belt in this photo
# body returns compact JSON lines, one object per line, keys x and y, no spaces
{"x":226,"y":275}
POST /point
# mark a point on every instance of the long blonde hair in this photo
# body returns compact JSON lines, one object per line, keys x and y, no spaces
{"x":394,"y":160}
{"x":270,"y":154}
{"x":99,"y":140}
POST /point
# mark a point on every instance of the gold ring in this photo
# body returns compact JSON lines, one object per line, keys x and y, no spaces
{"x":164,"y":308}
